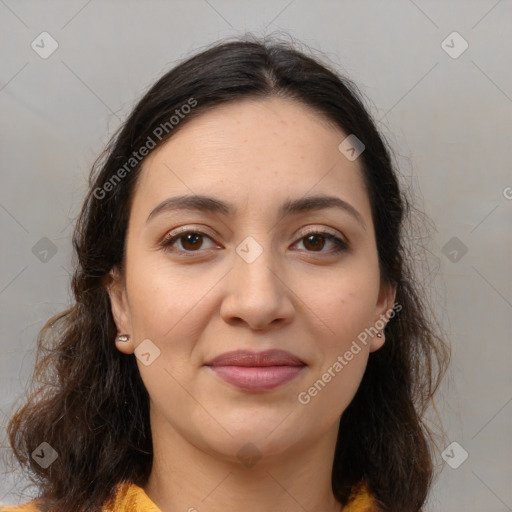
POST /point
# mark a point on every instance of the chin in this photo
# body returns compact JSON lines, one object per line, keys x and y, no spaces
{"x":265,"y":435}
{"x":248,"y":448}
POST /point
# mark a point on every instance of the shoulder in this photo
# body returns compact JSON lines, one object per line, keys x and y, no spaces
{"x":127,"y":496}
{"x":132,"y":497}
{"x":31,"y":506}
{"x":362,"y":500}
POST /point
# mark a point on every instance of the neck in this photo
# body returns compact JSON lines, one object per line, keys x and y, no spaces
{"x":186,"y":478}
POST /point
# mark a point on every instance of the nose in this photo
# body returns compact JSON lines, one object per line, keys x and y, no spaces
{"x":257,"y":294}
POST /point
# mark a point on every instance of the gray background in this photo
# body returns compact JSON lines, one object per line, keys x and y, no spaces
{"x":448,"y":119}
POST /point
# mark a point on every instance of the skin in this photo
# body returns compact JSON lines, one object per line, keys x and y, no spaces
{"x":295,"y":296}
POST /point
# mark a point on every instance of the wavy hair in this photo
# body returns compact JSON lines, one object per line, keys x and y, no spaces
{"x":89,"y":401}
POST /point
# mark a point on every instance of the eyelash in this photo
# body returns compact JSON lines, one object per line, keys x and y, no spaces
{"x":340,"y":245}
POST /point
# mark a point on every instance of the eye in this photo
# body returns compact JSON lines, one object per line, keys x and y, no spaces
{"x":193,"y":240}
{"x":316,"y":241}
{"x":190,"y":241}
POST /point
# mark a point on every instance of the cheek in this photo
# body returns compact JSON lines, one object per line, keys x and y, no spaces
{"x":349,"y":309}
{"x":329,"y":394}
{"x":346,"y":311}
{"x":159,"y":294}
{"x":172,"y":308}
{"x":346,"y":306}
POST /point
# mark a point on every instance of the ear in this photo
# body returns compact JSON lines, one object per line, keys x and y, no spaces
{"x":116,"y":288}
{"x":383,"y":310}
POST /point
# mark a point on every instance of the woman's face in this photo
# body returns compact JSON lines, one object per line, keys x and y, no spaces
{"x":249,"y":276}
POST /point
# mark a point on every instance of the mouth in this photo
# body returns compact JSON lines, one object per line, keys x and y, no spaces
{"x":261,"y":371}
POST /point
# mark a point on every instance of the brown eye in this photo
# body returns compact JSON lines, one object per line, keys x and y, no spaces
{"x":190,"y":241}
{"x":316,"y":241}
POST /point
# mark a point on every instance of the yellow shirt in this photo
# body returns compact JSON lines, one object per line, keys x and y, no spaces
{"x":132,"y":498}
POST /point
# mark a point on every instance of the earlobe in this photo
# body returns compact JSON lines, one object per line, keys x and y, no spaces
{"x":377,"y":341}
{"x":384,"y":310}
{"x":116,"y":290}
{"x":124,"y":344}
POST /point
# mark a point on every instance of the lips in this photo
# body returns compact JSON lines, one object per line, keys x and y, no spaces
{"x":261,"y":371}
{"x":266,"y":358}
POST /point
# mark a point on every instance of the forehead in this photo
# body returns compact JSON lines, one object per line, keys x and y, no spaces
{"x":255,"y":152}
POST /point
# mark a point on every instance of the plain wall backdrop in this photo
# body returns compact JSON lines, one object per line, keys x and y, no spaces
{"x":445,"y":108}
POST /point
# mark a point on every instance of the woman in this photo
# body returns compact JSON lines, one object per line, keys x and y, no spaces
{"x":247,"y":331}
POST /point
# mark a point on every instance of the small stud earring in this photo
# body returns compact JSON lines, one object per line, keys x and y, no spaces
{"x":379,"y":335}
{"x":123,"y":337}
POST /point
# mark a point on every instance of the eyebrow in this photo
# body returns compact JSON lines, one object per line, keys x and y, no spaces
{"x":290,"y":207}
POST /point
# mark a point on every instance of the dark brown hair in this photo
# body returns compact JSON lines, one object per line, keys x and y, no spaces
{"x":89,"y":402}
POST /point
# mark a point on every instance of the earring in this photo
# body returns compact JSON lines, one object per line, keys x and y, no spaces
{"x":123,"y":337}
{"x":379,"y":335}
